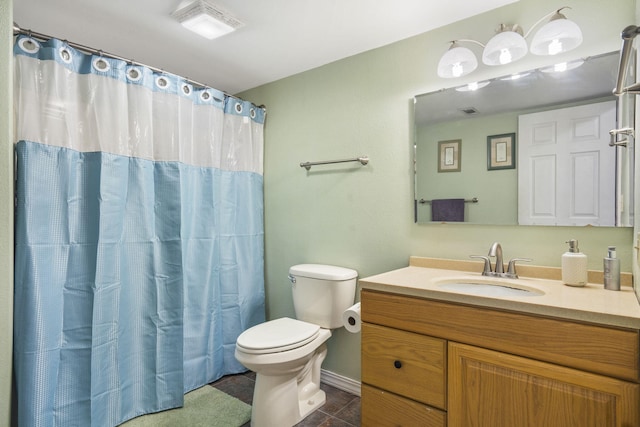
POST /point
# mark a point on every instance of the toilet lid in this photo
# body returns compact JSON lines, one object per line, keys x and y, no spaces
{"x":277,"y":335}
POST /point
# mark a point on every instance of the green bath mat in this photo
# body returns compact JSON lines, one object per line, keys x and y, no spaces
{"x":205,"y":406}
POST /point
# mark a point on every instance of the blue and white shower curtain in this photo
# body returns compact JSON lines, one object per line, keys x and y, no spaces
{"x":139,"y":236}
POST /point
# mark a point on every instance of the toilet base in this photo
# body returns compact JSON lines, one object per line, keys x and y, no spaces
{"x":307,"y":406}
{"x":284,"y":400}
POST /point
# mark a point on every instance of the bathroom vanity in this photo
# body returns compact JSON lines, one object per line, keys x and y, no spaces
{"x":559,"y":356}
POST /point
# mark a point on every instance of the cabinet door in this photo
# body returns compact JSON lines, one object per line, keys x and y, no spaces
{"x":492,"y":389}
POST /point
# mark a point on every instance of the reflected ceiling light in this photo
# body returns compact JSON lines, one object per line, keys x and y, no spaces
{"x":206,"y":19}
{"x":509,"y":45}
{"x":472,"y":86}
{"x":562,"y":66}
{"x":515,"y":76}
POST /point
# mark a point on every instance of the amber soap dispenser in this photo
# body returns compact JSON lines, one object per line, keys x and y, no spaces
{"x":574,"y":265}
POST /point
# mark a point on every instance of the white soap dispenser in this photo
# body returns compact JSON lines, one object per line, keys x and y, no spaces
{"x":574,"y":266}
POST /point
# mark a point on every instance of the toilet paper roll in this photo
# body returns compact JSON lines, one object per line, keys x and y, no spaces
{"x":351,"y":318}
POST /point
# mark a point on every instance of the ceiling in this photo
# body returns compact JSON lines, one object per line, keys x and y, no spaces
{"x":280,"y":38}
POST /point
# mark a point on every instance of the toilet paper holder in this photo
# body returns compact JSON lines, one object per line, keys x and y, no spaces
{"x":351,"y":318}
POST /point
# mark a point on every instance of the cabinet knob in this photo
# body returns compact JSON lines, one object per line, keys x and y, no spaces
{"x":397,"y":364}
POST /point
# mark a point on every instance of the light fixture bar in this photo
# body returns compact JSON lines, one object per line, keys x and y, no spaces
{"x":558,"y":35}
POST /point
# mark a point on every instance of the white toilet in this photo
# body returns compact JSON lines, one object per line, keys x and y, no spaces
{"x":286,"y":354}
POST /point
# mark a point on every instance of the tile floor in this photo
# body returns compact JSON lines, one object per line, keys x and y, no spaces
{"x":342,"y":409}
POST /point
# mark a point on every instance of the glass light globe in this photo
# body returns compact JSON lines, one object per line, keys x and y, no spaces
{"x":504,"y":48}
{"x":458,"y":61}
{"x":557,"y":36}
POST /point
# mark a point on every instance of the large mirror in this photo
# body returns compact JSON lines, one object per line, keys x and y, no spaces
{"x":533,"y":149}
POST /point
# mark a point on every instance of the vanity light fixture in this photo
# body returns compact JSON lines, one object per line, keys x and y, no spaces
{"x":206,"y":19}
{"x":509,"y":44}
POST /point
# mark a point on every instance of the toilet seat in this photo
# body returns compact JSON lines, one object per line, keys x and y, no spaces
{"x":277,"y":335}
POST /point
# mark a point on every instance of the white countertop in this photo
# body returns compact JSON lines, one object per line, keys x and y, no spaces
{"x":591,"y":303}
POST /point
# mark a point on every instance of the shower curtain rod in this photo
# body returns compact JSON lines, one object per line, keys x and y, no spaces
{"x":627,"y":35}
{"x":18,"y":30}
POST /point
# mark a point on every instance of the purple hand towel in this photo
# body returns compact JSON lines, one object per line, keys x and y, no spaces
{"x":451,"y":210}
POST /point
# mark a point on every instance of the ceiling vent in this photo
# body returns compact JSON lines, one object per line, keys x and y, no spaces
{"x":207,"y":19}
{"x":469,"y":110}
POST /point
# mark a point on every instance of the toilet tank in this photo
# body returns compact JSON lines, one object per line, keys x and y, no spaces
{"x":321,"y":293}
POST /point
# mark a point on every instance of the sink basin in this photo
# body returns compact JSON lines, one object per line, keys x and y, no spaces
{"x":488,"y":287}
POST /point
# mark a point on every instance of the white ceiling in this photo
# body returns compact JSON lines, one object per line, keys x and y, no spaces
{"x":280,"y":37}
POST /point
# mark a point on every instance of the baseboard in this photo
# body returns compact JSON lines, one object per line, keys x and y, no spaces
{"x":341,"y":382}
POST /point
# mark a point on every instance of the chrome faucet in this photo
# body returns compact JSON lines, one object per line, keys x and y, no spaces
{"x":496,"y":251}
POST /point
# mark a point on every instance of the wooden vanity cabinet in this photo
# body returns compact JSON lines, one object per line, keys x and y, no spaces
{"x":436,"y":363}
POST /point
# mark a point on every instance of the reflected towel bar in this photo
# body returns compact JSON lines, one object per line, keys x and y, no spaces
{"x":307,"y":165}
{"x":474,"y":200}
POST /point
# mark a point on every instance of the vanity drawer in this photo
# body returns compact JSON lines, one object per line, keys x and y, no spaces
{"x":405,"y":363}
{"x":381,"y":409}
{"x":593,"y":348}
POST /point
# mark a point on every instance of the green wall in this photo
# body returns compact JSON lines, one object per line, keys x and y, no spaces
{"x":6,"y":209}
{"x":362,"y":217}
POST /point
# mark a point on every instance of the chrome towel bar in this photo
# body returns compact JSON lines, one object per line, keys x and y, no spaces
{"x":307,"y":165}
{"x":474,"y":200}
{"x":614,"y":136}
